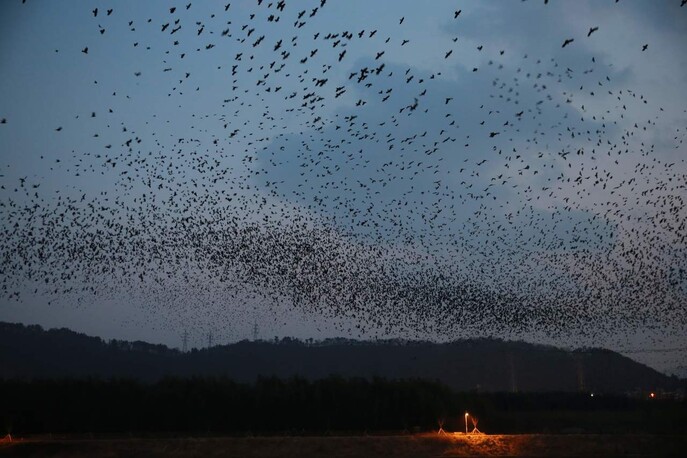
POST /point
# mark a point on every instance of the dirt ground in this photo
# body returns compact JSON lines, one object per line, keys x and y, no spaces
{"x":423,"y":445}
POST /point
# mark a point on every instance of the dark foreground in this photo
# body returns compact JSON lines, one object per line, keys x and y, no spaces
{"x":422,"y":445}
{"x":271,"y":407}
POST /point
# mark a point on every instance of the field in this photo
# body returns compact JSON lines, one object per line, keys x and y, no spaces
{"x":419,"y":445}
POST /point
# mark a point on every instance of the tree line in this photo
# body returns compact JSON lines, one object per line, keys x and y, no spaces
{"x":333,"y":405}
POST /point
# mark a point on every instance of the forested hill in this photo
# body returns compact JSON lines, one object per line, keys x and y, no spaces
{"x":478,"y":364}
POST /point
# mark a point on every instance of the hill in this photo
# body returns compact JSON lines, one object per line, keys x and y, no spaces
{"x":463,"y":365}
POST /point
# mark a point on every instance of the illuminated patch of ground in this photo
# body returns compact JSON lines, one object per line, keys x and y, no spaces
{"x":422,"y":445}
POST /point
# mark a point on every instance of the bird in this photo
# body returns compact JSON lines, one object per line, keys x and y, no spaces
{"x":567,"y":42}
{"x":592,"y":30}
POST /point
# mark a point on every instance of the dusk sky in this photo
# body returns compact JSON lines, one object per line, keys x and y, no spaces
{"x":431,"y":170}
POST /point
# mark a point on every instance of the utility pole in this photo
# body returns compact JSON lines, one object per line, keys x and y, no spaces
{"x":579,"y":366}
{"x":210,"y":339}
{"x":255,"y":331}
{"x":185,"y":340}
{"x":513,"y":376}
{"x":580,"y":374}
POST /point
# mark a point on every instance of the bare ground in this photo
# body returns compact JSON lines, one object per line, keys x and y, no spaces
{"x":422,"y":445}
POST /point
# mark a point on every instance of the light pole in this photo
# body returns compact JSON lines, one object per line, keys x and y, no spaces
{"x":466,"y":422}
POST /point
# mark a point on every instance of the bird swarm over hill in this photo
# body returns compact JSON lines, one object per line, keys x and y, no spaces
{"x":331,"y":176}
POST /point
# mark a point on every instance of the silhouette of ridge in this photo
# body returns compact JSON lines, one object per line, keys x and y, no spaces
{"x":483,"y":364}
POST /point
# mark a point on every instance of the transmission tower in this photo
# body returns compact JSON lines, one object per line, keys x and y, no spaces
{"x":210,"y":339}
{"x":185,"y":341}
{"x":255,"y":331}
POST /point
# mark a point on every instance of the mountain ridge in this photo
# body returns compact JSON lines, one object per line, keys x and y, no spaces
{"x":483,"y":364}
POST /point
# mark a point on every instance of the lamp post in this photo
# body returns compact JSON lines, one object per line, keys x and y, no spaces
{"x":466,"y":422}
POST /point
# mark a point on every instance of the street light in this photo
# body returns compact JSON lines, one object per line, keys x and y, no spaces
{"x":466,"y":422}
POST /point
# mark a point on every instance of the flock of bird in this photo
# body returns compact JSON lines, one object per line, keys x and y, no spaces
{"x":333,"y":177}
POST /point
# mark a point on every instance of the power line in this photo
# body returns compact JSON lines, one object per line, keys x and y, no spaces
{"x":654,"y":350}
{"x":633,"y":350}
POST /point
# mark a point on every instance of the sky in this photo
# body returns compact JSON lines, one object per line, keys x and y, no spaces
{"x":430,"y":170}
